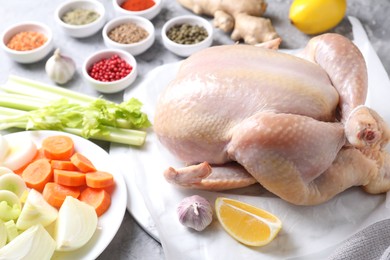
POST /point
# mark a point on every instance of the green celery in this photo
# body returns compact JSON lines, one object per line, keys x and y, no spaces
{"x":33,"y":88}
{"x":21,"y":102}
{"x":88,"y":117}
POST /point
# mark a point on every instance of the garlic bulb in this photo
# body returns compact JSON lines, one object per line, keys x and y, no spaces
{"x":195,"y":212}
{"x":60,"y":68}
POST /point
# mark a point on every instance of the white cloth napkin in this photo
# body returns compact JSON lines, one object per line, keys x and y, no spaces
{"x":371,"y":243}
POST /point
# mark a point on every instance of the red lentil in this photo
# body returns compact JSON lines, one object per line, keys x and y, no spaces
{"x":25,"y":41}
{"x":111,"y":69}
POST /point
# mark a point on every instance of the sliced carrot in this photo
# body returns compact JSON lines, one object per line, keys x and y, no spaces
{"x":97,"y":198}
{"x":69,"y":178}
{"x":55,"y":193}
{"x":63,"y":165}
{"x":58,"y":147}
{"x":38,"y":155}
{"x":37,"y":174}
{"x":110,"y":189}
{"x":99,"y":179}
{"x":82,"y":163}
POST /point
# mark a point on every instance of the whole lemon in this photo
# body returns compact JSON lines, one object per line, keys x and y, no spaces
{"x":317,"y":16}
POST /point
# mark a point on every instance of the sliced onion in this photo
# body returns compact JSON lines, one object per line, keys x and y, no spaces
{"x":4,"y":148}
{"x":34,"y":243}
{"x":21,"y":151}
{"x":75,"y":225}
{"x":13,"y":182}
{"x":36,"y":211}
{"x":10,"y":205}
{"x":3,"y":234}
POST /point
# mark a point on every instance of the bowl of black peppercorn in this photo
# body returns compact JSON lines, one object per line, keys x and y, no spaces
{"x":187,"y":34}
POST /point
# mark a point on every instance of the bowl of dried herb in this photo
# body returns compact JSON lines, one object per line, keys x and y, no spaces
{"x":80,"y":18}
{"x":187,"y":34}
{"x":133,"y":34}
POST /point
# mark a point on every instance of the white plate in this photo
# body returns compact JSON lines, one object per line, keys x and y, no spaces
{"x":111,"y":220}
{"x":306,"y":230}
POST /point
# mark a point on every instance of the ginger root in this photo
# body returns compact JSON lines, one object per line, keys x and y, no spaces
{"x":243,"y":18}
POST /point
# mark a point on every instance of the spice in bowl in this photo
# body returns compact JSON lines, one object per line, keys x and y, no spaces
{"x":26,"y":41}
{"x":80,"y":16}
{"x":137,"y":5}
{"x":128,"y":33}
{"x":110,"y":69}
{"x":187,"y":33}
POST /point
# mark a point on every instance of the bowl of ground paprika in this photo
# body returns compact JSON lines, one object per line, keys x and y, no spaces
{"x":110,"y":70}
{"x":145,"y":8}
{"x":27,"y":42}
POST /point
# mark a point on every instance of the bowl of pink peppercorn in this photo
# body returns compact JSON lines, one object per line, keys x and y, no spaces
{"x":110,"y":70}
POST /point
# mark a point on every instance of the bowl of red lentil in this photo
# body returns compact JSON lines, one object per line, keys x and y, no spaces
{"x":80,"y":18}
{"x":187,"y":34}
{"x":133,"y":34}
{"x":144,"y":8}
{"x":27,"y":42}
{"x":110,"y":70}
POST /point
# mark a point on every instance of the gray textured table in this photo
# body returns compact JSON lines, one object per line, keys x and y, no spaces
{"x":132,"y":242}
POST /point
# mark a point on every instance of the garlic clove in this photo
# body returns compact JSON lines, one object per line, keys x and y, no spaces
{"x":195,"y":212}
{"x":60,"y":68}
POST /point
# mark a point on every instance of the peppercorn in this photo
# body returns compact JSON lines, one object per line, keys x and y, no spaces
{"x":110,"y":69}
{"x":187,"y":33}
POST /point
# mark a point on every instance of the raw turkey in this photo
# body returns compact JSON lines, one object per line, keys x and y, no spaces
{"x":239,"y":115}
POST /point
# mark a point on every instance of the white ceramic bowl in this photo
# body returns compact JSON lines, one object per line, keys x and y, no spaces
{"x":186,"y":50}
{"x":29,"y":56}
{"x":148,"y":13}
{"x":86,"y":30}
{"x":113,"y":86}
{"x":133,"y":48}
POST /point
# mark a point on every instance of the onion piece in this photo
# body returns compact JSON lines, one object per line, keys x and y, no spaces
{"x":21,"y":151}
{"x":34,"y":243}
{"x":4,"y":147}
{"x":75,"y":225}
{"x":10,"y":205}
{"x":3,"y":234}
{"x":36,"y":211}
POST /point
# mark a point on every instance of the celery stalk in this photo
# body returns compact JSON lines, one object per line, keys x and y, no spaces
{"x":22,"y":86}
{"x":21,"y":102}
{"x":69,"y":111}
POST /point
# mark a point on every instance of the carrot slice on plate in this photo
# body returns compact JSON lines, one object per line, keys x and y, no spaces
{"x":97,"y":198}
{"x":37,"y":174}
{"x":58,"y":147}
{"x":63,"y":165}
{"x":55,"y":193}
{"x":69,"y":178}
{"x":82,"y":163}
{"x":99,"y":179}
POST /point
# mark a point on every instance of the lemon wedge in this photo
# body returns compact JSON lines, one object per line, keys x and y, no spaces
{"x":316,"y":16}
{"x":249,"y":225}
